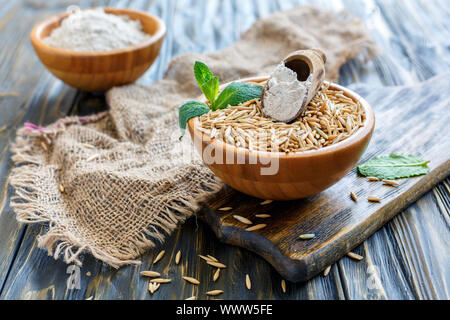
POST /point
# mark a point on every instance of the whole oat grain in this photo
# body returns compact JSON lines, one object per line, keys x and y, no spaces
{"x":216,"y":264}
{"x":256,"y":227}
{"x":159,"y":256}
{"x":355,"y":256}
{"x":216,"y":274}
{"x":178,"y":257}
{"x":242,"y":219}
{"x":150,"y":273}
{"x":214,"y":292}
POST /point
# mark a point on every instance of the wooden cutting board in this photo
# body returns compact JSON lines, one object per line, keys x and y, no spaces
{"x":409,"y":120}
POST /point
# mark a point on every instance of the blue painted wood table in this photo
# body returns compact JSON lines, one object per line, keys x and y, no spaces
{"x":406,"y":259}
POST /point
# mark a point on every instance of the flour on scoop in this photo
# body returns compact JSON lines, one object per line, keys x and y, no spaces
{"x":284,"y":94}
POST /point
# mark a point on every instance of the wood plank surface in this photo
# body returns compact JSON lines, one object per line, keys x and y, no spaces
{"x":340,"y":224}
{"x":403,"y":260}
{"x":40,"y":99}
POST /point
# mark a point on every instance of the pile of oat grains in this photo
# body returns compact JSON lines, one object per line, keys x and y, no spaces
{"x":329,"y":118}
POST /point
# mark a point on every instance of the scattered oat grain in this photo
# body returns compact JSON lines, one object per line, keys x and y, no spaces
{"x":263,"y":215}
{"x":9,"y":94}
{"x":87,"y":145}
{"x":216,"y":264}
{"x":353,"y":196}
{"x":307,"y":236}
{"x":205,"y":258}
{"x":248,"y":283}
{"x":216,"y":275}
{"x":214,"y":292}
{"x":355,"y":256}
{"x":226,"y":209}
{"x":391,"y":183}
{"x":159,"y":256}
{"x":256,"y":227}
{"x":44,"y":146}
{"x":191,"y":298}
{"x":212,"y":258}
{"x":373,"y":179}
{"x":373,"y":199}
{"x":178,"y":257}
{"x":242,"y":219}
{"x":150,"y":273}
{"x":152,"y":287}
{"x":266,"y":202}
{"x":283,"y":285}
{"x":92,"y":158}
{"x":160,"y":280}
{"x":191,"y":280}
{"x":326,"y":271}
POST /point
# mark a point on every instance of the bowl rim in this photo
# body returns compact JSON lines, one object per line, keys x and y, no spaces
{"x":35,"y":34}
{"x":360,"y":134}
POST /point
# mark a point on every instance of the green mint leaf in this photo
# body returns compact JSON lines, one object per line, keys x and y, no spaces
{"x":210,"y":89}
{"x":236,"y":93}
{"x":394,"y":166}
{"x":202,"y":73}
{"x":190,"y":110}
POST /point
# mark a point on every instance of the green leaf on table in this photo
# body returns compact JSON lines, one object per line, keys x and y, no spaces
{"x":190,"y":110}
{"x":202,"y":73}
{"x":236,"y":93}
{"x":394,"y":166}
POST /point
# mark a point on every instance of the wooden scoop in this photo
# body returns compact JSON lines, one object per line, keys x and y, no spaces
{"x":304,"y":63}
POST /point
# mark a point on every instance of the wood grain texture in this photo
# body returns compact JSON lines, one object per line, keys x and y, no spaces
{"x":41,"y":99}
{"x":411,"y":29}
{"x":409,"y":265}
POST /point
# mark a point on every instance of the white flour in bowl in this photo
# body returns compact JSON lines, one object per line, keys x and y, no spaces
{"x":285,"y":94}
{"x":95,"y":30}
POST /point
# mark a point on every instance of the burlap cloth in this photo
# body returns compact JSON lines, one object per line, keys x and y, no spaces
{"x":115,"y":183}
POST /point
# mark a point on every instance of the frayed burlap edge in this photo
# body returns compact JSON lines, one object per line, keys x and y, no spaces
{"x":29,"y":157}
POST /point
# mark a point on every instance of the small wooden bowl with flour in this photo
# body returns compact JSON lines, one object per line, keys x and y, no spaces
{"x":100,"y":70}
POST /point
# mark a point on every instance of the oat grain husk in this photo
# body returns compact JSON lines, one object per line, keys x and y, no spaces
{"x":178,"y":257}
{"x":214,"y":292}
{"x":149,"y":273}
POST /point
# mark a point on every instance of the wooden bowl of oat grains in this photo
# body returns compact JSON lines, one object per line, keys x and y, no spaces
{"x":96,"y":49}
{"x":284,"y":161}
